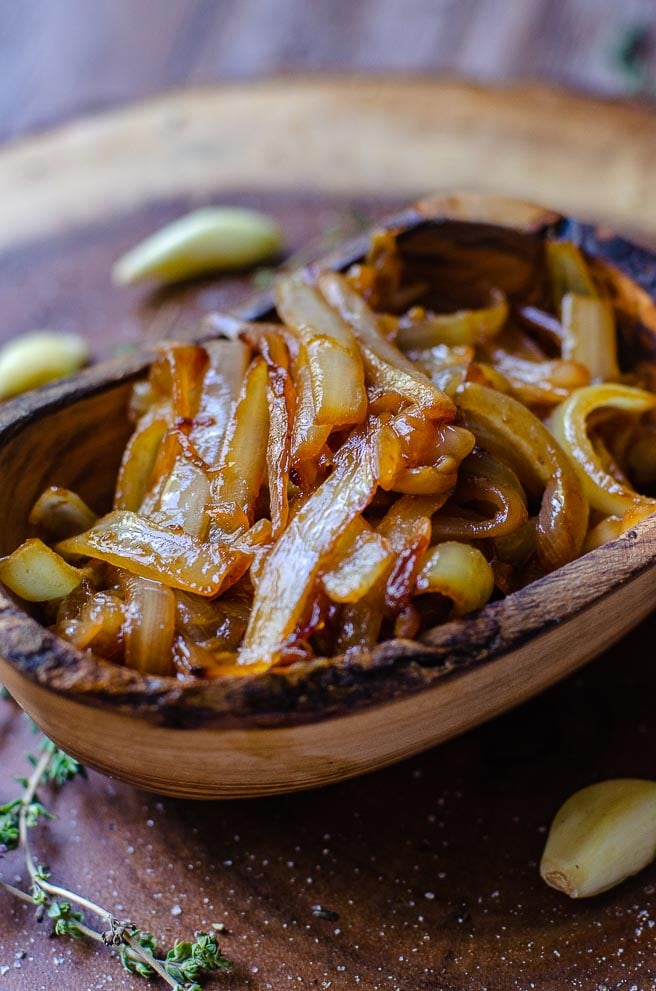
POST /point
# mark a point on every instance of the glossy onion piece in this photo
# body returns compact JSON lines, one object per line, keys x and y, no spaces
{"x":243,"y":456}
{"x":98,"y":625}
{"x":218,"y":624}
{"x":184,"y":498}
{"x":149,"y":626}
{"x":432,"y":454}
{"x":482,"y":480}
{"x":228,"y":361}
{"x":308,"y":437}
{"x":589,"y":335}
{"x":513,"y":434}
{"x":390,"y":375}
{"x":138,"y":463}
{"x":426,"y":330}
{"x":291,"y":569}
{"x":569,"y":426}
{"x":614,"y":526}
{"x":61,"y":513}
{"x":37,"y":574}
{"x":458,"y":571}
{"x":335,"y":364}
{"x":140,"y":546}
{"x":406,"y":529}
{"x":187,"y":366}
{"x":537,"y":383}
{"x":362,"y":558}
{"x":445,"y":367}
{"x":568,"y":271}
{"x":281,"y":400}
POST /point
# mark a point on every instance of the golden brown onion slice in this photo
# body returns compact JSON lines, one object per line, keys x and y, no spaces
{"x":514,"y":435}
{"x":569,"y":425}
{"x":144,"y":548}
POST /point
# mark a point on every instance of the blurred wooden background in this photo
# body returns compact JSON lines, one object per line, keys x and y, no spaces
{"x":63,"y":57}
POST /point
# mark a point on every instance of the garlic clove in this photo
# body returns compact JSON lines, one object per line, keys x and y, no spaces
{"x":212,"y":239}
{"x":600,"y":836}
{"x":37,"y":358}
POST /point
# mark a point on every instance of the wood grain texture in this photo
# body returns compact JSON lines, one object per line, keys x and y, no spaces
{"x":345,"y":136}
{"x":117,"y":50}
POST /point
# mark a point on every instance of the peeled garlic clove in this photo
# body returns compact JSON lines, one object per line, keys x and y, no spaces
{"x":600,"y":836}
{"x":213,"y":239}
{"x":34,"y":359}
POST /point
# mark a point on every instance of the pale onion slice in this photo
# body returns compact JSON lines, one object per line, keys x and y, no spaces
{"x":308,"y":437}
{"x":589,"y":335}
{"x":290,"y":571}
{"x":568,"y":271}
{"x":335,"y":364}
{"x":228,"y":361}
{"x":568,"y":423}
{"x":458,"y":571}
{"x":362,"y":558}
{"x":539,"y":383}
{"x":37,"y":574}
{"x":149,"y":626}
{"x":185,"y":498}
{"x":407,"y":530}
{"x":243,"y":455}
{"x":138,"y":463}
{"x":445,"y":367}
{"x":514,"y":435}
{"x":179,"y":373}
{"x":612,"y":527}
{"x":437,"y":479}
{"x":391,"y":376}
{"x":61,"y":513}
{"x":281,"y":400}
{"x":143,"y":548}
{"x":420,"y":330}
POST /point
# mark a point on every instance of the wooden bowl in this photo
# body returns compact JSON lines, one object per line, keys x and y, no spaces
{"x":314,"y":724}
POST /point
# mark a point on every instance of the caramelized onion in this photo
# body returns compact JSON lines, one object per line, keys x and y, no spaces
{"x":144,"y":548}
{"x":458,"y":571}
{"x":61,"y":513}
{"x":361,"y":471}
{"x":420,"y":329}
{"x":569,"y":425}
{"x":390,"y":375}
{"x":289,"y":573}
{"x":513,"y":434}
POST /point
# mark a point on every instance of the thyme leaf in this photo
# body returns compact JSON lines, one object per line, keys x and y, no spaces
{"x":182,"y":967}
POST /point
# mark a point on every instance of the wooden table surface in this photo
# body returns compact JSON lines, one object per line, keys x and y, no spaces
{"x":63,"y":57}
{"x":431,"y":867}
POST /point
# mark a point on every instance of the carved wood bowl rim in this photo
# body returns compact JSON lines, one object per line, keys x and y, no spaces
{"x":395,"y":669}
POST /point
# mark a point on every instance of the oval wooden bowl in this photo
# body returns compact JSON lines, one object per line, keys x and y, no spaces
{"x":314,"y":724}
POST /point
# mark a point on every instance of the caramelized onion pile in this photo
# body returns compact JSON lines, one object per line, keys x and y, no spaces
{"x":364,"y":470}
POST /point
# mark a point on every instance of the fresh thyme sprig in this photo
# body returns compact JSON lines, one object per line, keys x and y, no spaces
{"x":183,"y":967}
